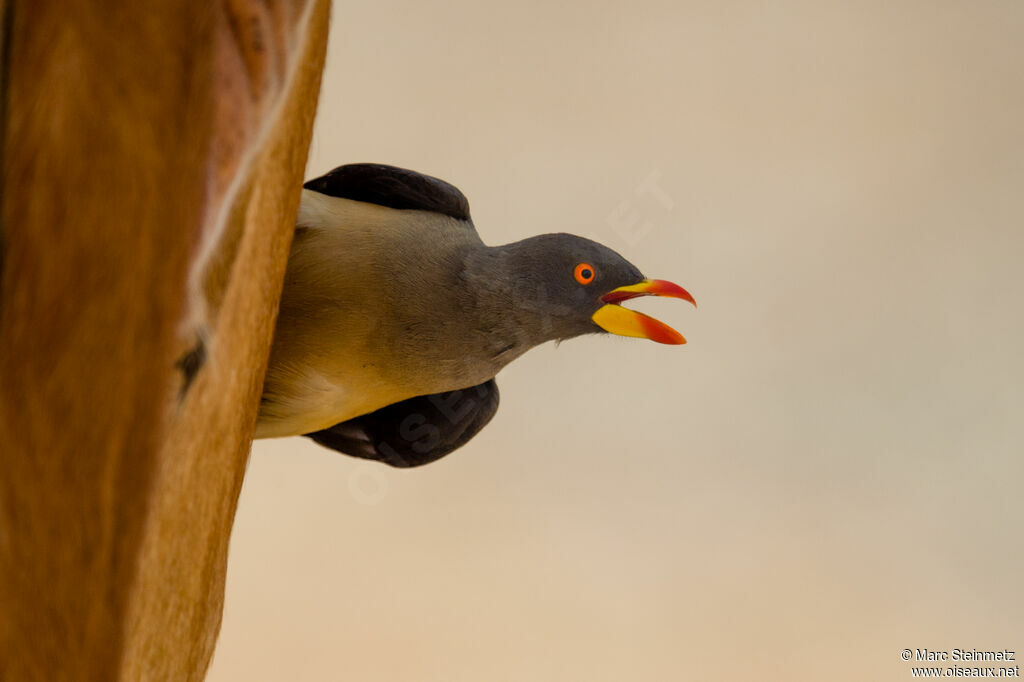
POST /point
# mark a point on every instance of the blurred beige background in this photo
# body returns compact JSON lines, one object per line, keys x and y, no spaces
{"x":828,"y":473}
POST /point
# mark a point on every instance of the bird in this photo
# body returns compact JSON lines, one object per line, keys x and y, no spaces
{"x":395,"y":316}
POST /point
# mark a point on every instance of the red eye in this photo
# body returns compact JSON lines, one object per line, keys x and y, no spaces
{"x":584,"y":273}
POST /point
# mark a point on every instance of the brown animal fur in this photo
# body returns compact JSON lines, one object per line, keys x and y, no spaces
{"x":152,"y":160}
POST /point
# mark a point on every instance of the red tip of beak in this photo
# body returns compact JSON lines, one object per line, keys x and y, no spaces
{"x":660,"y":332}
{"x":662,"y":287}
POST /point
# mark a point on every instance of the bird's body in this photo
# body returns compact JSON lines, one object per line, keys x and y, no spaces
{"x":333,"y":358}
{"x":395,"y":316}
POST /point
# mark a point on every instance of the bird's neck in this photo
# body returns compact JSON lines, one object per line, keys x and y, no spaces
{"x":510,"y":301}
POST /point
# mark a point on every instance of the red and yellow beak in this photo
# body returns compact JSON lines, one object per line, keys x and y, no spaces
{"x":613,"y":318}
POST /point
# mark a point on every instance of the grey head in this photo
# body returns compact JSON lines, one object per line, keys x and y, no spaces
{"x":547,"y":287}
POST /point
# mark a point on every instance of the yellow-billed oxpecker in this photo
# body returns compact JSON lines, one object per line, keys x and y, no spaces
{"x":395,"y":317}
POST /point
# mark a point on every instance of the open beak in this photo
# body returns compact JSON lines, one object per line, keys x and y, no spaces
{"x":625,"y":322}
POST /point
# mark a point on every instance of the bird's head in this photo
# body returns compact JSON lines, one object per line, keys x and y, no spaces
{"x":571,"y":286}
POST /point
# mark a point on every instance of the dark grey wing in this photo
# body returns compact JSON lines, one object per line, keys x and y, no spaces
{"x":416,"y":431}
{"x":393,"y":187}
